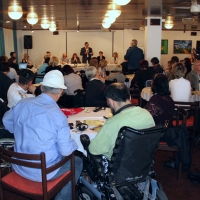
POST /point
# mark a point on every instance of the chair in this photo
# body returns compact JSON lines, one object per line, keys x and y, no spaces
{"x":107,"y":82}
{"x":148,"y":83}
{"x":135,"y":96}
{"x":181,"y":113}
{"x":192,"y":121}
{"x":130,"y":163}
{"x":31,"y":189}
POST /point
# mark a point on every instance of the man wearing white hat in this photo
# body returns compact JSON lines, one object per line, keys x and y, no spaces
{"x":40,"y":126}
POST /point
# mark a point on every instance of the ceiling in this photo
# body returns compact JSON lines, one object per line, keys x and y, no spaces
{"x":91,"y":13}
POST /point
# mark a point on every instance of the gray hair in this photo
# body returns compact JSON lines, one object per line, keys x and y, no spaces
{"x":179,"y":70}
{"x":51,"y":90}
{"x":90,"y":72}
{"x":134,"y":41}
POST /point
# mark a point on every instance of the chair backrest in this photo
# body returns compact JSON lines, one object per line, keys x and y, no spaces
{"x":37,"y":161}
{"x":133,"y":154}
{"x":181,"y":114}
{"x":107,"y":82}
{"x":191,"y":107}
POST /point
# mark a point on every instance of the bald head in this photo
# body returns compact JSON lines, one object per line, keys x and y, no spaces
{"x":196,"y":66}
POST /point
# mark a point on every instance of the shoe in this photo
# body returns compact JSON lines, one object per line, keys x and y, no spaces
{"x":170,"y":164}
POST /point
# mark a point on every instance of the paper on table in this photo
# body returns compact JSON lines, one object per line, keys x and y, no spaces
{"x":93,"y":122}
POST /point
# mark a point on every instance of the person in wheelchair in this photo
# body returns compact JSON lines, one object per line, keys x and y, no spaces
{"x":124,"y":114}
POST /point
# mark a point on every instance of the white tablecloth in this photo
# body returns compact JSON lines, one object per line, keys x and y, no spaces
{"x":86,"y":114}
{"x":111,"y":67}
{"x":78,"y":67}
{"x":146,"y":94}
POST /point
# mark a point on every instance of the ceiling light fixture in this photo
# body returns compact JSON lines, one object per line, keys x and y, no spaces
{"x":106,"y":25}
{"x":32,"y":18}
{"x":109,"y":20}
{"x":45,"y":24}
{"x":169,"y":22}
{"x":15,"y":12}
{"x":114,"y":10}
{"x":121,"y":2}
{"x":52,"y":26}
{"x":188,"y":20}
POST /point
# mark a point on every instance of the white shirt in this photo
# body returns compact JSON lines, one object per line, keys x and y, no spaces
{"x":180,"y":89}
{"x":12,"y":74}
{"x":15,"y":94}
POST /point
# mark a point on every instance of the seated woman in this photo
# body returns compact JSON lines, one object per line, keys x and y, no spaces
{"x":64,"y":60}
{"x":75,"y":59}
{"x":53,"y":65}
{"x":115,"y":59}
{"x":102,"y":68}
{"x":26,"y":60}
{"x":41,"y":70}
{"x":180,"y":87}
{"x":160,"y":105}
{"x":94,"y":89}
{"x":117,"y":75}
{"x":100,"y":57}
{"x":168,"y":72}
{"x":188,"y":65}
{"x":72,"y":81}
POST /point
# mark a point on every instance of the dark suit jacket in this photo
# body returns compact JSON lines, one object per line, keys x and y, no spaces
{"x":95,"y":94}
{"x":134,"y":55}
{"x":84,"y":56}
{"x":141,"y":76}
{"x":98,"y":58}
{"x":5,"y":83}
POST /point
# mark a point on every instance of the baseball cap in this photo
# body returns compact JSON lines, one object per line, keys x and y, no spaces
{"x":54,"y":79}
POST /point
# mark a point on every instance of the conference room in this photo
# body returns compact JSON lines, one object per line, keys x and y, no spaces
{"x":162,"y":28}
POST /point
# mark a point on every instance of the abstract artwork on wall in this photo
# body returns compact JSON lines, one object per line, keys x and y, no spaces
{"x":164,"y":46}
{"x":182,"y":46}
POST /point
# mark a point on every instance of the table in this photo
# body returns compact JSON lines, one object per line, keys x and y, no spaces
{"x":78,"y":67}
{"x":111,"y":67}
{"x":146,"y":94}
{"x":86,"y":114}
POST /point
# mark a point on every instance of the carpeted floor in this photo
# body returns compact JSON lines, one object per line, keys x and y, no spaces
{"x":175,"y":190}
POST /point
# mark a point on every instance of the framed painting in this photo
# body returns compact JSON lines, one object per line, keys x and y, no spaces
{"x":164,"y":46}
{"x":182,"y":46}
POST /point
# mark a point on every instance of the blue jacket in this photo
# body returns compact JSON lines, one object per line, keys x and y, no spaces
{"x":134,"y":55}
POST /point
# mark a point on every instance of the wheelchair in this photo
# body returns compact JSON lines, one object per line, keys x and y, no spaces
{"x":127,"y":175}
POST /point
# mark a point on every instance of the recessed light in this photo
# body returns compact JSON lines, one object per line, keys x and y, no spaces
{"x":7,"y":22}
{"x":24,"y":26}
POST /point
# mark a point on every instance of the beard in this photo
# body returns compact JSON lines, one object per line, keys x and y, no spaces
{"x":112,"y":110}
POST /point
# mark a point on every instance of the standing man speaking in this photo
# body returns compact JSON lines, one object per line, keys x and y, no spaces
{"x":86,"y":53}
{"x":134,"y":55}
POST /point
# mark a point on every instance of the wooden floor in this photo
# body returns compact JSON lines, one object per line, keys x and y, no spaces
{"x":175,"y":190}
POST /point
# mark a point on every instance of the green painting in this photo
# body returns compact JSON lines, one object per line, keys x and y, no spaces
{"x":164,"y":46}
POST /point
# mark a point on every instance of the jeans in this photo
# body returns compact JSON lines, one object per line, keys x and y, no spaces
{"x":66,"y":192}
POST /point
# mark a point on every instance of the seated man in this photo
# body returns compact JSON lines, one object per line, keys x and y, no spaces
{"x":94,"y":89}
{"x":156,"y":65}
{"x":39,"y":126}
{"x":124,"y":114}
{"x":193,"y":76}
{"x":141,"y":76}
{"x":5,"y":81}
{"x":18,"y":91}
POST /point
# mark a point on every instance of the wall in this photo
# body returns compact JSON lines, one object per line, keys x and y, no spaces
{"x":72,"y":41}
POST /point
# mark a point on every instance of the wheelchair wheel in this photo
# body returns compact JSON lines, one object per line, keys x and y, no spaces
{"x":87,"y":195}
{"x":161,"y":195}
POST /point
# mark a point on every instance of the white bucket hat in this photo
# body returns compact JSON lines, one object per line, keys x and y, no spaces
{"x":54,"y":79}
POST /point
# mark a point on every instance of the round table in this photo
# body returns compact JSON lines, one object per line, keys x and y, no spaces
{"x":146,"y":94}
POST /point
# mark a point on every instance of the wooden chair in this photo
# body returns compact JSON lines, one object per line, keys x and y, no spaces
{"x":181,"y":113}
{"x":135,"y":96}
{"x":31,"y":189}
